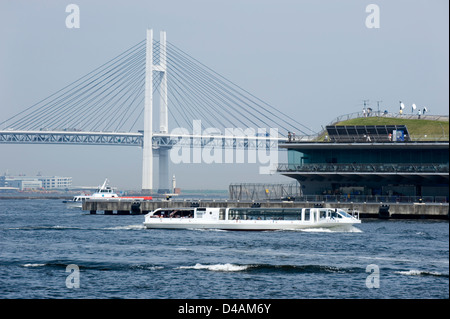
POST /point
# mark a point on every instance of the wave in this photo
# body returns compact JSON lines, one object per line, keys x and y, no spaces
{"x":48,"y":264}
{"x":34,"y":265}
{"x":87,"y":265}
{"x":302,"y":268}
{"x":415,"y":272}
{"x":421,"y":234}
{"x":228,"y":267}
{"x":146,"y":267}
{"x":217,"y":267}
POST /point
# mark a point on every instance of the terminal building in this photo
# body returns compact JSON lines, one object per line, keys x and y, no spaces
{"x":35,"y":182}
{"x":369,"y":160}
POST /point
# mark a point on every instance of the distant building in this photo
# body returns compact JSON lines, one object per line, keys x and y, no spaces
{"x":52,"y":182}
{"x":35,"y":182}
{"x":24,"y":183}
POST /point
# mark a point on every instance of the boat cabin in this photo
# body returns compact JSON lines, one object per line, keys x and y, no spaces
{"x":213,"y":213}
{"x":105,"y":192}
{"x":303,"y":214}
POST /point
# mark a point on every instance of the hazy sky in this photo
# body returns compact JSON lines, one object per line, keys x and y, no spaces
{"x":313,"y":59}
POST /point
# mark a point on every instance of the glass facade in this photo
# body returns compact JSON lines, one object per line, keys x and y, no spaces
{"x":381,"y":156}
{"x":379,"y":169}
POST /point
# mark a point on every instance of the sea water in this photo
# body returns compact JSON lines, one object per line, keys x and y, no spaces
{"x":50,"y":251}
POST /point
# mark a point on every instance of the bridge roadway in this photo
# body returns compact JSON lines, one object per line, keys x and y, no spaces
{"x":70,"y":137}
{"x":366,"y":210}
{"x":136,"y":139}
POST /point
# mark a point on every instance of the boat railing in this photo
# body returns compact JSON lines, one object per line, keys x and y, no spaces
{"x":410,"y":168}
{"x":354,"y":213}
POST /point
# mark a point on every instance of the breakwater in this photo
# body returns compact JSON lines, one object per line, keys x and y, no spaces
{"x":366,"y":210}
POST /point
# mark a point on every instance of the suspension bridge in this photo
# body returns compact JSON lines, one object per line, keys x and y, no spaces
{"x":131,"y":99}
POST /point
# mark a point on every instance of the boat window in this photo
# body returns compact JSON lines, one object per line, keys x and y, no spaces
{"x":344,"y":214}
{"x":264,"y":214}
{"x":307,"y":214}
{"x":323,"y":213}
{"x":199,"y":214}
{"x":188,"y":213}
{"x":222,"y":214}
{"x":334,"y":214}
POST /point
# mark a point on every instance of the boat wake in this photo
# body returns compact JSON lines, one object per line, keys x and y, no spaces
{"x":55,"y":227}
{"x":60,"y":227}
{"x":344,"y":229}
{"x":127,"y":227}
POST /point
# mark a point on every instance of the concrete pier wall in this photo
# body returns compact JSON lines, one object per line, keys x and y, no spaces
{"x":366,"y":210}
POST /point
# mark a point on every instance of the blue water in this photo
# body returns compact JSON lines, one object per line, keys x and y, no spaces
{"x":118,"y":258}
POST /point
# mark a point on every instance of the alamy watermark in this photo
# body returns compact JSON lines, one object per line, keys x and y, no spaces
{"x":373,"y":19}
{"x":373,"y":279}
{"x":73,"y":279}
{"x":234,"y":145}
{"x":73,"y":19}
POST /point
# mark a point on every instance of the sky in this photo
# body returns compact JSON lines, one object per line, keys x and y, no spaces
{"x":314,"y":60}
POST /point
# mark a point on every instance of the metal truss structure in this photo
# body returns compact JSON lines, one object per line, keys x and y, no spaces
{"x":216,"y":141}
{"x":136,"y":139}
{"x":67,"y":137}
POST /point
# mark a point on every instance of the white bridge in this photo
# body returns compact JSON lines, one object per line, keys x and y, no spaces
{"x":98,"y":108}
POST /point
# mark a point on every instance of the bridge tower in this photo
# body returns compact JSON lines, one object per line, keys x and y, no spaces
{"x":162,"y":152}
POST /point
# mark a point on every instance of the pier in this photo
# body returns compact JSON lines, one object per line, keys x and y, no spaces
{"x":366,"y":210}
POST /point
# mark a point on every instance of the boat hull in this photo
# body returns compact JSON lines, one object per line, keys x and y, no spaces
{"x":244,"y":225}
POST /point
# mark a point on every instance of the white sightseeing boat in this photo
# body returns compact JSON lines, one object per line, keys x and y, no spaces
{"x":102,"y":191}
{"x":250,"y":218}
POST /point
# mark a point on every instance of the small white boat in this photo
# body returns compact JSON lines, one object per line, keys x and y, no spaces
{"x":249,"y":218}
{"x":102,"y":191}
